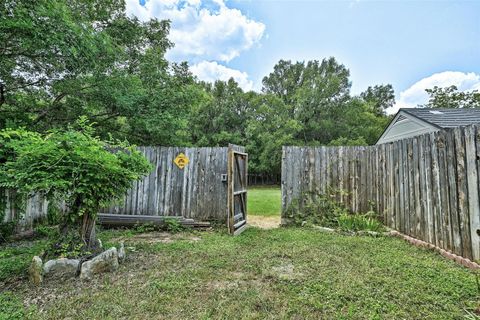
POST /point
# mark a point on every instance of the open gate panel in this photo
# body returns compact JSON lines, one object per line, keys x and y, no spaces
{"x":237,"y":190}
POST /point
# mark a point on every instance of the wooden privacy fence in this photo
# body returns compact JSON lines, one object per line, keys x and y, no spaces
{"x":197,"y":191}
{"x":35,"y":209}
{"x":426,"y":187}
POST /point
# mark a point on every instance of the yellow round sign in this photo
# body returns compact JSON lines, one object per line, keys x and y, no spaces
{"x":181,"y":161}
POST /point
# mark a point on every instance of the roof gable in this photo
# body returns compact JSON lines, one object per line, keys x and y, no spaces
{"x":405,"y":125}
{"x":446,"y":118}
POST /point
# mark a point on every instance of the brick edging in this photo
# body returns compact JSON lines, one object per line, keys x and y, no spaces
{"x":447,"y":254}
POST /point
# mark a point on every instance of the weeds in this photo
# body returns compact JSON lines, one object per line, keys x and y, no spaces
{"x":323,"y":210}
{"x":173,"y":225}
{"x":315,"y":209}
{"x":359,"y":222}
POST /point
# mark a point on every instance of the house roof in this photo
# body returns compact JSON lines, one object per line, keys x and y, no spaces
{"x":445,"y":118}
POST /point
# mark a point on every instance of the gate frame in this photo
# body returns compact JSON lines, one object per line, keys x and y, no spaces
{"x":232,"y":164}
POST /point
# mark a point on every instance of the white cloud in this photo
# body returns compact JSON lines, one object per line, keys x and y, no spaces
{"x":415,"y":95}
{"x":210,"y":71}
{"x":202,"y":29}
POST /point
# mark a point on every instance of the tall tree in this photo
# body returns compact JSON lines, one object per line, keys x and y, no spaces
{"x":44,"y":42}
{"x":379,"y":98}
{"x":269,"y":128}
{"x":450,"y":97}
{"x":65,"y":59}
{"x":222,"y":117}
{"x":285,"y":80}
{"x":321,"y":98}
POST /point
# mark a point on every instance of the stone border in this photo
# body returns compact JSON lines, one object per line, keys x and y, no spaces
{"x":447,"y":254}
{"x":106,"y":261}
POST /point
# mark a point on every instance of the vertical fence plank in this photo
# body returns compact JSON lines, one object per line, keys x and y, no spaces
{"x":473,"y":183}
{"x":452,"y":192}
{"x":462,"y":193}
{"x":444,"y":199}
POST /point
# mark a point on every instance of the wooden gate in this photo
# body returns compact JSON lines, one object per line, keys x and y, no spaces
{"x":237,"y":177}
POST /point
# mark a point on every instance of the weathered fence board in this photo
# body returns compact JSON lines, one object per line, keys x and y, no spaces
{"x":35,"y":208}
{"x":426,"y":187}
{"x":194,"y":192}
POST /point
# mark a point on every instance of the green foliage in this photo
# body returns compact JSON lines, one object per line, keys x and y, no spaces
{"x":315,"y":209}
{"x":222,"y":117}
{"x":144,"y":227}
{"x":343,"y":141}
{"x":54,"y":214}
{"x":173,"y":225}
{"x":73,"y":165}
{"x":451,"y":98}
{"x":62,"y":60}
{"x":359,"y":222}
{"x":46,"y":231}
{"x":324,"y":210}
{"x":269,"y":128}
{"x":379,"y":98}
{"x":70,"y":246}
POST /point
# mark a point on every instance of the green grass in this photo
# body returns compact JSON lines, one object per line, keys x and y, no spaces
{"x":282,"y":273}
{"x":264,"y":201}
{"x":15,"y":258}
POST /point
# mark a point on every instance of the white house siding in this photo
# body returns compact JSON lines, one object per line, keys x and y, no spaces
{"x":405,"y":126}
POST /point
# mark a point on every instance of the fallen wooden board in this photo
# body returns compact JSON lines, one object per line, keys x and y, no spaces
{"x":122,"y":220}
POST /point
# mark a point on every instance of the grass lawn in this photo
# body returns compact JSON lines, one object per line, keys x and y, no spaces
{"x":281,"y":273}
{"x":264,"y":201}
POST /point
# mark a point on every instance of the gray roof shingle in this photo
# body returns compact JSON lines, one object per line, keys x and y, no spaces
{"x":446,"y":118}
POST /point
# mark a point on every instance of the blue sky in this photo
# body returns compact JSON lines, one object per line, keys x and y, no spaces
{"x":409,"y":44}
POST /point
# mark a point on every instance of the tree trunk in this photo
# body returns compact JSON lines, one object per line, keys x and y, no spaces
{"x":87,"y":231}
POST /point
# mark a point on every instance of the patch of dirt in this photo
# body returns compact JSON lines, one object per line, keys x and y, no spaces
{"x":264,"y":222}
{"x":233,"y":280}
{"x":284,"y":271}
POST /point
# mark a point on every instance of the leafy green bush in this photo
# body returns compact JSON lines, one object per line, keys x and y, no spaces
{"x":315,"y":209}
{"x":47,"y":231}
{"x":323,"y":210}
{"x":173,"y":225}
{"x":144,"y":227}
{"x":73,"y":165}
{"x":359,"y":222}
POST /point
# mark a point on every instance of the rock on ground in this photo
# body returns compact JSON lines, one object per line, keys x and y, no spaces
{"x":35,"y":273}
{"x":324,"y":229}
{"x":121,"y":252}
{"x":61,"y":268}
{"x":104,"y":262}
